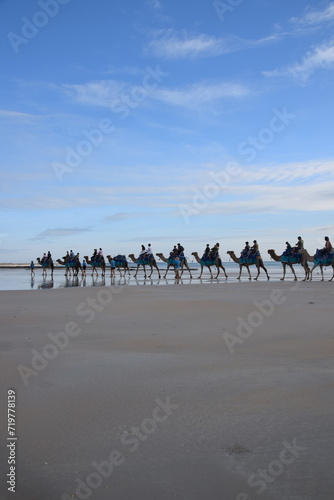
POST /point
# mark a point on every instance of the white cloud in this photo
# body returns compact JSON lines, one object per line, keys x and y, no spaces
{"x":155,"y":4}
{"x":320,"y":57}
{"x":198,"y":94}
{"x":271,"y":199}
{"x":171,"y":44}
{"x":316,"y":17}
{"x":120,"y":216}
{"x":60,"y":232}
{"x":105,"y":93}
{"x":17,"y":116}
{"x":109,"y":93}
{"x":292,"y":172}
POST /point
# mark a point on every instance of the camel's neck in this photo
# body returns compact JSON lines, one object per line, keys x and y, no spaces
{"x":133,"y":258}
{"x":195,"y":254}
{"x":307,"y":256}
{"x":274,"y":256}
{"x":87,"y":259}
{"x":233,"y":257}
{"x":162,"y":257}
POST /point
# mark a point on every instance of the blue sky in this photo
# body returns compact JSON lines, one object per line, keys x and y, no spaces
{"x":160,"y":121}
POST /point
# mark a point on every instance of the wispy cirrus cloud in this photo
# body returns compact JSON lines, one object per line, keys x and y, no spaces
{"x":268,"y":199}
{"x":121,"y":216}
{"x":18,"y":116}
{"x":170,"y":44}
{"x":320,"y":57}
{"x":316,"y":17}
{"x":194,"y":96}
{"x":102,"y":93}
{"x":60,"y":232}
{"x":109,"y":93}
{"x":155,"y":4}
{"x":304,"y":172}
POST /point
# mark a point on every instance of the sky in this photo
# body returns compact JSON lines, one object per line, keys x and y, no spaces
{"x":164,"y":121}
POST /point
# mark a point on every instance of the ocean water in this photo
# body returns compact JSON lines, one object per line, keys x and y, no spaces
{"x":19,"y":279}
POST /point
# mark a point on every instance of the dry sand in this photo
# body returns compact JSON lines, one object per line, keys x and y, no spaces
{"x":161,"y":394}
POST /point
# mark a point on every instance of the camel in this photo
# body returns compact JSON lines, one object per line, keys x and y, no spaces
{"x":208,"y":263}
{"x":259,"y":264}
{"x":95,"y":264}
{"x":316,"y":263}
{"x":278,"y":258}
{"x":46,"y":265}
{"x":73,"y":265}
{"x":149,"y":261}
{"x":184,"y":263}
{"x":120,"y":263}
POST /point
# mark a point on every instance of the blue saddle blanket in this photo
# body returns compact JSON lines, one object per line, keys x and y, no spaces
{"x":209,"y":262}
{"x":120,"y":260}
{"x":251,"y":259}
{"x":325,"y":260}
{"x":296,"y":259}
{"x":46,"y":262}
{"x":146,"y":261}
{"x":70,"y":263}
{"x":174,"y":262}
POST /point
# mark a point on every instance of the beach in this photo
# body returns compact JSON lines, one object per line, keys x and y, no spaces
{"x":217,"y":391}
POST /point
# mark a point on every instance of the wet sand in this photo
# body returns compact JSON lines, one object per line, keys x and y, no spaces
{"x":181,"y":392}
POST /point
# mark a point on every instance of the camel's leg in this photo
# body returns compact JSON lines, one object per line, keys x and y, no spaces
{"x":218,"y":272}
{"x":265,"y":269}
{"x":284,"y":271}
{"x":333,"y":274}
{"x":144,"y":271}
{"x":240,"y":271}
{"x":202,"y":267}
{"x":184,"y":263}
{"x":322,"y":272}
{"x":249,"y":274}
{"x":168,"y":266}
{"x":135,"y":275}
{"x":294,"y":272}
{"x":223,"y":268}
{"x":156,"y":266}
{"x":258,"y":271}
{"x":308,"y":275}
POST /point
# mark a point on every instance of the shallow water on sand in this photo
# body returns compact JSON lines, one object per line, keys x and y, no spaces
{"x":19,"y":279}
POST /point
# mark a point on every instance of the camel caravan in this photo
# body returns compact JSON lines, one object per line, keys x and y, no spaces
{"x":178,"y":262}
